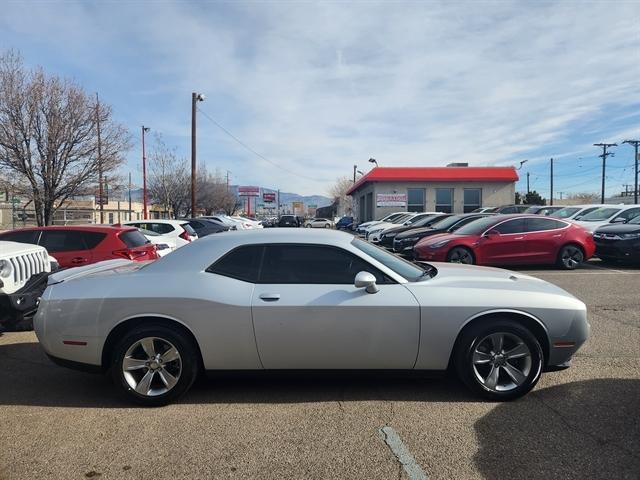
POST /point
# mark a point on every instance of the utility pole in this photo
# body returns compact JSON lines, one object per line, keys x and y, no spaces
{"x":99,"y":160}
{"x":144,"y":176}
{"x":195,"y":98}
{"x":635,"y":144}
{"x":130,"y":197}
{"x":551,"y":182}
{"x":604,"y":156}
{"x":228,"y":172}
{"x":561,"y":193}
{"x":528,"y":190}
{"x":355,"y":167}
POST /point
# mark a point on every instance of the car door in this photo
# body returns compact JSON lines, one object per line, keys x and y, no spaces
{"x":505,"y":244}
{"x":307,"y":314}
{"x":67,"y":246}
{"x":543,"y":239}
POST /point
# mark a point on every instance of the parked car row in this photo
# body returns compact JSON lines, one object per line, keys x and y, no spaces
{"x":562,"y":235}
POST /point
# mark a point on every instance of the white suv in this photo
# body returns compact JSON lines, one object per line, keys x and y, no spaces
{"x":24,"y":269}
{"x":177,"y":230}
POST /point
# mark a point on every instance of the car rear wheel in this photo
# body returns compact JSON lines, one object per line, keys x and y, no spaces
{"x":153,"y":365}
{"x":499,"y":360}
{"x":461,"y":255}
{"x":570,"y":257}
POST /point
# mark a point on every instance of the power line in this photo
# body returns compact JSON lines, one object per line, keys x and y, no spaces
{"x":247,"y":147}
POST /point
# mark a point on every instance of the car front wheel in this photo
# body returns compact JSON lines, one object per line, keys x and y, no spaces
{"x":153,"y":365}
{"x":499,"y":360}
{"x":461,"y":255}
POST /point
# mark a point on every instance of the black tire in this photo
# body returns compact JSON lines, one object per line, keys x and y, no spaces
{"x":188,"y":362}
{"x":461,"y":255}
{"x":570,"y":257}
{"x":475,"y":338}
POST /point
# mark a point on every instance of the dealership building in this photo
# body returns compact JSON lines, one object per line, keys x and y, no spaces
{"x":456,"y":188}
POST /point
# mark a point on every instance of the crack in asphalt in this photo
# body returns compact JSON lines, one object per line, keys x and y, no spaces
{"x":598,"y":440}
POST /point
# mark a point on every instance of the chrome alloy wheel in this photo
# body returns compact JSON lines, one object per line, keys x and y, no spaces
{"x":571,"y":257}
{"x":501,"y":362}
{"x":152,"y":366}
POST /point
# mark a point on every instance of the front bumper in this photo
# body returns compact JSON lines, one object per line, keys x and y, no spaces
{"x":24,"y":302}
{"x":628,"y":250}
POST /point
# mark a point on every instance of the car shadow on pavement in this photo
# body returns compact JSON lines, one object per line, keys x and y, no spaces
{"x":588,"y":429}
{"x":28,"y":377}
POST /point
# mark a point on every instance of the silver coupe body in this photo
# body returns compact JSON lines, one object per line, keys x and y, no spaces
{"x":278,"y":299}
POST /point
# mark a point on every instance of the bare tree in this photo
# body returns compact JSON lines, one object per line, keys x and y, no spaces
{"x":338,"y":191}
{"x":48,"y":135}
{"x":214,"y":195}
{"x":169,"y":179}
{"x":584,"y":197}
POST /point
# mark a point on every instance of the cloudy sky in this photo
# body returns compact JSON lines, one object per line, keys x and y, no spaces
{"x":316,"y":87}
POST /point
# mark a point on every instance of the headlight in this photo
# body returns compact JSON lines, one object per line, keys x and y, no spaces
{"x":439,"y":244}
{"x":390,"y":235}
{"x":6,"y":269}
{"x":412,"y":239}
{"x":627,"y":236}
{"x":373,"y":232}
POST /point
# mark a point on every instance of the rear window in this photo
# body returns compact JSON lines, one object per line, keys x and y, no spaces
{"x":189,"y":229}
{"x":133,"y":239}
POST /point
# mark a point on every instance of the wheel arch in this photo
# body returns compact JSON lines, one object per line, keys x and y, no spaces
{"x":466,"y":247}
{"x":525,"y":319}
{"x":129,"y":323}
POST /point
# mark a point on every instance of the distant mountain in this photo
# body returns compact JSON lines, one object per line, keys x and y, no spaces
{"x":285,"y":197}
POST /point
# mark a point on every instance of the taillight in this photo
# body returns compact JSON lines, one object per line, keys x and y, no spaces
{"x":185,"y":235}
{"x":131,"y":254}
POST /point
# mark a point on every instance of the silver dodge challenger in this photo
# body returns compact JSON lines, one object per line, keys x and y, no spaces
{"x":304,"y":300}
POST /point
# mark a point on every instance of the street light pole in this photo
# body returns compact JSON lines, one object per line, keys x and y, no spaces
{"x":144,"y":175}
{"x":635,"y":144}
{"x":100,"y":191}
{"x":373,"y":160}
{"x":195,"y":98}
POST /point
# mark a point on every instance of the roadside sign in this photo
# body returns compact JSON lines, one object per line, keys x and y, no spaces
{"x":268,"y":197}
{"x":248,"y":191}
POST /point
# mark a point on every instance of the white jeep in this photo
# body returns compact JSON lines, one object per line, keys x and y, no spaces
{"x":24,"y":269}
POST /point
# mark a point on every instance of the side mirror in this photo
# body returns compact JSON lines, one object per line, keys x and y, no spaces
{"x":367,"y":281}
{"x":619,"y":220}
{"x":491,"y":233}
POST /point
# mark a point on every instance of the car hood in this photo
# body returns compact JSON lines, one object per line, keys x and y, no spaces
{"x":107,"y":267}
{"x":469,"y":277}
{"x":619,"y":228}
{"x":418,"y":231}
{"x":12,"y":249}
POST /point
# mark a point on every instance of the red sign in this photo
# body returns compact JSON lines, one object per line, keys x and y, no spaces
{"x":268,"y":197}
{"x":249,"y":191}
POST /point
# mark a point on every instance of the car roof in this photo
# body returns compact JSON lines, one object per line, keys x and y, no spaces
{"x":82,"y":228}
{"x":156,"y":220}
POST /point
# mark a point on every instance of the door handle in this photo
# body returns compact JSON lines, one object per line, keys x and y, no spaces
{"x":78,"y":260}
{"x":269,"y":297}
{"x":518,"y":238}
{"x":557,"y":236}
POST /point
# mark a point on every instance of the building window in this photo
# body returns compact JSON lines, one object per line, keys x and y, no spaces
{"x":415,"y":199}
{"x":444,"y":200}
{"x":472,"y":199}
{"x":111,"y":218}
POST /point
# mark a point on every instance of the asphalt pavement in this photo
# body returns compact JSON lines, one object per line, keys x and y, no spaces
{"x":579,"y":423}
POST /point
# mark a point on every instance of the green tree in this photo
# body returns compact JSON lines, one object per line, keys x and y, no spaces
{"x":533,"y":198}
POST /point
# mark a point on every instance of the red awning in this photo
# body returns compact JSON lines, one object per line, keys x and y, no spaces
{"x":437,"y":174}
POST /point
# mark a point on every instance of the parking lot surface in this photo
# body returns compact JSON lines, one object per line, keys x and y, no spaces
{"x":579,"y":423}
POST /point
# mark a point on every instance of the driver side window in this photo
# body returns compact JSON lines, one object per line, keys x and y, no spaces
{"x":313,"y":264}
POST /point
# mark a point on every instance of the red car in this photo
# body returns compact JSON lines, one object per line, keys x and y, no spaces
{"x":511,"y":240}
{"x":74,"y":246}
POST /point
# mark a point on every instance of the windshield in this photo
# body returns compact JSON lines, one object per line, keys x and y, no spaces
{"x":531,"y":210}
{"x":566,"y":212}
{"x":405,"y":269}
{"x":401,"y":219}
{"x":390,"y":217}
{"x":600,"y":214}
{"x":448,"y":222}
{"x":477,"y":226}
{"x":424,"y":220}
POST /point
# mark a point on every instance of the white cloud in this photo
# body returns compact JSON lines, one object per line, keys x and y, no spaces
{"x":318,"y":87}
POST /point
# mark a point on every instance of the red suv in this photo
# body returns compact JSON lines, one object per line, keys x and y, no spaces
{"x":511,"y":240}
{"x":74,"y":246}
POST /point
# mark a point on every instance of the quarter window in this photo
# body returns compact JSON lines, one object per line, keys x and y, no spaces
{"x":444,"y":200}
{"x":472,"y":199}
{"x":541,"y":224}
{"x":312,"y":264}
{"x":415,"y":199}
{"x":242,"y":264}
{"x":510,"y":226}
